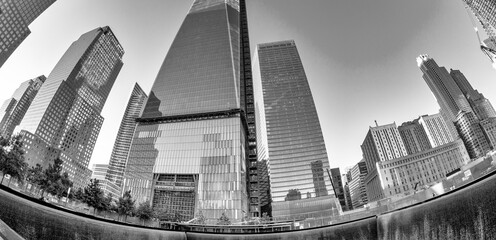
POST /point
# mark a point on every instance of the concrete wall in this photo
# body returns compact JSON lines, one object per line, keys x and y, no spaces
{"x":469,"y":212}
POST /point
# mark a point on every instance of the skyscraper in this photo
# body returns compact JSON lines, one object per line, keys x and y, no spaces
{"x":64,"y":119}
{"x":436,"y":129}
{"x":483,"y":9}
{"x":414,"y":137}
{"x":460,"y":104}
{"x":489,"y":128}
{"x":120,"y":152}
{"x":472,"y":135}
{"x":31,"y":9}
{"x":356,"y":185}
{"x":448,"y":95}
{"x":15,"y":17}
{"x":195,"y":146}
{"x":14,"y":108}
{"x":382,"y":143}
{"x":482,"y":106}
{"x":99,"y":171}
{"x":346,"y":189}
{"x":298,"y":163}
{"x":338,"y":186}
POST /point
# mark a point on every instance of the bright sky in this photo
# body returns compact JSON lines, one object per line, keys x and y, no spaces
{"x":359,"y":56}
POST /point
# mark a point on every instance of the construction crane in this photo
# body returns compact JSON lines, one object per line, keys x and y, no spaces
{"x":488,"y":46}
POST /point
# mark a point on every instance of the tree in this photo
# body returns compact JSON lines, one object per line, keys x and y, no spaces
{"x":293,"y":194}
{"x":223,"y":220}
{"x":35,"y":174}
{"x":199,"y":218}
{"x":79,"y":194}
{"x":125,"y":205}
{"x":12,"y":159}
{"x":53,"y":181}
{"x":145,"y":212}
{"x":107,"y":202}
{"x":63,"y":185}
{"x":265,"y":218}
{"x":94,"y":196}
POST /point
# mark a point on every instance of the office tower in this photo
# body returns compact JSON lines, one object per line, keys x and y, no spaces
{"x":197,"y":129}
{"x":436,"y":129}
{"x":65,"y":114}
{"x":489,"y":129}
{"x":448,"y":95}
{"x":483,"y":108}
{"x":412,"y":173}
{"x":382,"y":143}
{"x":481,"y":105}
{"x":358,"y":191}
{"x":346,"y":189}
{"x":99,"y":171}
{"x":122,"y":144}
{"x":297,"y":155}
{"x":31,"y":9}
{"x":414,"y":137}
{"x":264,"y":187}
{"x":484,"y":10}
{"x":462,"y":82}
{"x":472,"y":135}
{"x":337,"y":183}
{"x":15,"y":108}
{"x":15,"y":17}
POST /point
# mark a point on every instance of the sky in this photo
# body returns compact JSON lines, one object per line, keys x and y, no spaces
{"x":359,"y":56}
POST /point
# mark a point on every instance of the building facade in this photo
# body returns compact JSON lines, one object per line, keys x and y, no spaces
{"x":406,"y":175}
{"x":482,"y":107}
{"x":15,"y":17}
{"x":414,"y":137}
{"x":298,"y":160}
{"x":472,"y":134}
{"x":356,"y":185}
{"x":447,"y":93}
{"x":484,"y":9}
{"x":436,"y":129}
{"x":347,"y":195}
{"x":382,"y":143}
{"x":122,"y":144}
{"x":99,"y":171}
{"x":194,"y":147}
{"x":337,"y":183}
{"x":13,"y":110}
{"x":489,"y":129}
{"x":65,"y":114}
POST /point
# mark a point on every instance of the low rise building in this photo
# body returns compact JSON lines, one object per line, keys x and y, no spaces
{"x":405,"y":175}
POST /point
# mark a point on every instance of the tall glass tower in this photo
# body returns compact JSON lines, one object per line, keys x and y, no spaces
{"x":118,"y":158}
{"x":64,"y":118}
{"x":15,"y":17}
{"x":13,"y":110}
{"x":291,"y":134}
{"x":194,"y":141}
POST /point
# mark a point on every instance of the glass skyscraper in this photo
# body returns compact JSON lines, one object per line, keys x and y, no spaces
{"x":64,"y":119}
{"x":15,"y":17}
{"x":195,"y":142}
{"x":291,"y":134}
{"x":117,"y":163}
{"x":13,"y":110}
